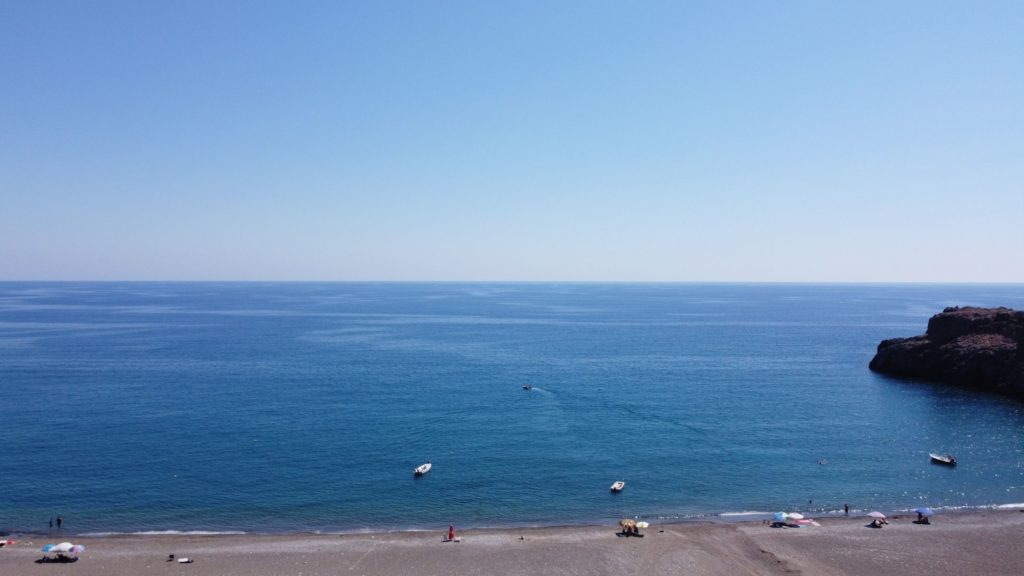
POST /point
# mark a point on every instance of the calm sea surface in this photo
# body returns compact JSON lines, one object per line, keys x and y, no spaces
{"x":293,"y":407}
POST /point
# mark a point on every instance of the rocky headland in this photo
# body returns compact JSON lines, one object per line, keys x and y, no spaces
{"x":973,"y":347}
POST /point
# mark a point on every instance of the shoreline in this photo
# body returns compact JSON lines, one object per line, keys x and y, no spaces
{"x":709,"y":518}
{"x":980,"y":541}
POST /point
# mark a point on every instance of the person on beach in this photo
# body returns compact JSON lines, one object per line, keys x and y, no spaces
{"x":846,"y":509}
{"x":451,"y":533}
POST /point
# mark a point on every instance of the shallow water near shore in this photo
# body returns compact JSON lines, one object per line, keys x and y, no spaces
{"x":134,"y":407}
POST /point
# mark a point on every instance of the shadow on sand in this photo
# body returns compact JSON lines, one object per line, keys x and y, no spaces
{"x":57,"y":560}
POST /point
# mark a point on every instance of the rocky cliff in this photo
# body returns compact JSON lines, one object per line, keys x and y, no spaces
{"x":974,"y":347}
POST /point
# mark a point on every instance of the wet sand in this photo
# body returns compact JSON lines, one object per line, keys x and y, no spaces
{"x":978,"y":542}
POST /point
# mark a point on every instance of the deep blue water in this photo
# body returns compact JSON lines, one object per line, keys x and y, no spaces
{"x":305,"y":406}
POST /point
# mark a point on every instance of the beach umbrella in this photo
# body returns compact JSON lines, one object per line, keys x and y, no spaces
{"x":77,"y":549}
{"x":63,"y":548}
{"x":796,"y":515}
{"x":878,"y":515}
{"x":779,"y":517}
{"x":627,"y":522}
{"x":925,"y":511}
{"x":642,"y":524}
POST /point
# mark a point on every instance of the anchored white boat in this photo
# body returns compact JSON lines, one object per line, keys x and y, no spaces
{"x":421,"y":469}
{"x":618,"y":486}
{"x":946,"y":459}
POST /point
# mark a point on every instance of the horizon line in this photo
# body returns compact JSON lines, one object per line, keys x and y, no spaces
{"x":459,"y":281}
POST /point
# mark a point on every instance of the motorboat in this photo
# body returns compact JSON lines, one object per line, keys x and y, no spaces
{"x":945,"y":459}
{"x":421,"y":469}
{"x":527,"y":386}
{"x":618,"y":486}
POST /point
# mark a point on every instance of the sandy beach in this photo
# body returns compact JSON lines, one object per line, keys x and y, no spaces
{"x":977,"y":542}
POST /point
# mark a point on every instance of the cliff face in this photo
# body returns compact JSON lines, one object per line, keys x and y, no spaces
{"x":974,"y":347}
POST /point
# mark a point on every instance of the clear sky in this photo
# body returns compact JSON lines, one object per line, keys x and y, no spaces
{"x":515,"y":140}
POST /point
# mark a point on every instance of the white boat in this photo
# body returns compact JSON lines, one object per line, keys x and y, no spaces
{"x":618,"y":486}
{"x":421,"y":469}
{"x":943,"y":459}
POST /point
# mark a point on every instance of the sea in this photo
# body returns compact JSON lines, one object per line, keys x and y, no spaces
{"x":304,"y":407}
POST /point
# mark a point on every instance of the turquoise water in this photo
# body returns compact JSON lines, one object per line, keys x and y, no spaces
{"x":306,"y":406}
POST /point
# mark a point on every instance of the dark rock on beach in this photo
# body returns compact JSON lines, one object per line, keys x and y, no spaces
{"x":973,"y":347}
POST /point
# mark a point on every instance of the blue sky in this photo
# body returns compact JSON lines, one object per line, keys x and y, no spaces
{"x":650,"y":141}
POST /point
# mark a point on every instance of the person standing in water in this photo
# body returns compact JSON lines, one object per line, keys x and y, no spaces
{"x":60,"y":522}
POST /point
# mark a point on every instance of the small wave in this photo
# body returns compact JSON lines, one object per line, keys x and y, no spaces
{"x":167,"y":533}
{"x":963,"y":508}
{"x":745,"y":513}
{"x":370,"y":530}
